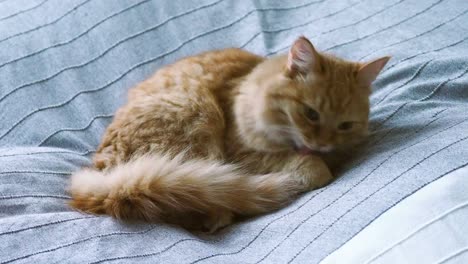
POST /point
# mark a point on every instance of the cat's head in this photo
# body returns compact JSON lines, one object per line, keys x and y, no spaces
{"x":311,"y":101}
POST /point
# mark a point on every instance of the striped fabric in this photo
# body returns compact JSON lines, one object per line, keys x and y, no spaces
{"x":65,"y":67}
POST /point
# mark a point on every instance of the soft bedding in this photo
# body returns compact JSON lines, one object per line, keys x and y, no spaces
{"x":427,"y":227}
{"x":65,"y":67}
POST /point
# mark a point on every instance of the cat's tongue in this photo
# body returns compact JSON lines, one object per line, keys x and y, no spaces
{"x":305,"y":151}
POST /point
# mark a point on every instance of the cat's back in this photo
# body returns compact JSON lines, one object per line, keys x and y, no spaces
{"x":179,"y":106}
{"x":210,"y":70}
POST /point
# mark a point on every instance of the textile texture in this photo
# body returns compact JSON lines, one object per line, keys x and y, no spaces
{"x":66,"y":66}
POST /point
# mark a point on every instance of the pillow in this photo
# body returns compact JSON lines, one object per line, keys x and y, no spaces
{"x":427,"y":227}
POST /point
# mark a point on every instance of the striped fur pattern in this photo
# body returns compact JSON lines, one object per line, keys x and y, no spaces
{"x":66,"y":67}
{"x":161,"y":159}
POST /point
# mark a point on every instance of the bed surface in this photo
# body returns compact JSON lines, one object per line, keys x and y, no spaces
{"x":427,"y":227}
{"x":66,"y":66}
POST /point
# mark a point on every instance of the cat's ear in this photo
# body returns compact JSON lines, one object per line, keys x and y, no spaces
{"x":368,"y":72}
{"x":302,"y":57}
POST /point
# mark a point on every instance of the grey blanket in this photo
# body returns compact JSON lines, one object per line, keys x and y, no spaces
{"x":66,"y":66}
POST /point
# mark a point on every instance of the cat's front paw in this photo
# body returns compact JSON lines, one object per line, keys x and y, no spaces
{"x":320,"y":178}
{"x":313,"y":172}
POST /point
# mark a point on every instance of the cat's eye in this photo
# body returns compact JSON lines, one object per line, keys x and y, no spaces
{"x":345,"y":126}
{"x":311,"y":114}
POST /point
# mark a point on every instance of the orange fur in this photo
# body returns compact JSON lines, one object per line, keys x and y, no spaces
{"x":225,"y":133}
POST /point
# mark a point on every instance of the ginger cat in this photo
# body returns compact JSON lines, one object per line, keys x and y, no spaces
{"x":226,"y":133}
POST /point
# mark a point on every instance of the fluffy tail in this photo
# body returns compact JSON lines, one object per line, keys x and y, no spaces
{"x":158,"y":188}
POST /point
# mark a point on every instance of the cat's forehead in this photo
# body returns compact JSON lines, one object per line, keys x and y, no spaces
{"x":337,"y":94}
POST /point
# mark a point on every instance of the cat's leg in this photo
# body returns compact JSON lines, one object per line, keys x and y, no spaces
{"x":111,"y":151}
{"x":310,"y":170}
{"x":107,"y":155}
{"x":164,"y":124}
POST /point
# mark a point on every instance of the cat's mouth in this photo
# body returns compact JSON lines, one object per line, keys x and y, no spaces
{"x":304,"y":150}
